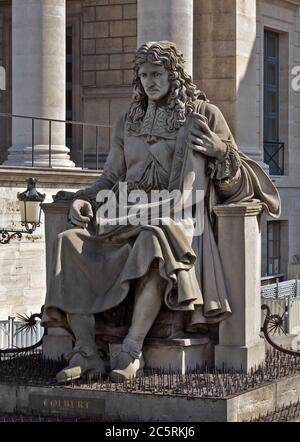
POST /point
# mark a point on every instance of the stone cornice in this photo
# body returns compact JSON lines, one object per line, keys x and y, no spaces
{"x":295,"y":3}
{"x":292,"y":2}
{"x":52,"y":177}
{"x":239,"y":209}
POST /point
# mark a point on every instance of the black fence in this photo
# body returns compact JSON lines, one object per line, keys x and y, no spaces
{"x":93,"y":157}
{"x":274,"y":157}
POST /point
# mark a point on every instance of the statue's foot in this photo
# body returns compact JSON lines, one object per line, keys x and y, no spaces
{"x":126,"y":367}
{"x":82,"y":361}
{"x":127,"y":362}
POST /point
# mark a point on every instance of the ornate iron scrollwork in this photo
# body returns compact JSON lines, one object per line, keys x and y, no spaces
{"x":273,"y":323}
{"x":28,"y":322}
{"x":7,"y":235}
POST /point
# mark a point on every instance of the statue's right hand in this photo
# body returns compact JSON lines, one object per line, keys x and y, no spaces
{"x":81,"y":213}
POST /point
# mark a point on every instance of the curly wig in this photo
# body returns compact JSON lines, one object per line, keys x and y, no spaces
{"x":182,"y":95}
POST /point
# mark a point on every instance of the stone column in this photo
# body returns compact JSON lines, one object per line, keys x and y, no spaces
{"x":167,"y":20}
{"x":38,"y":81}
{"x":247,"y":118}
{"x":225,"y":67}
{"x":240,"y":345}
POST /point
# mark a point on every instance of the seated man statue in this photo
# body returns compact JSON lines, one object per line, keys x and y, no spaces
{"x":171,"y":138}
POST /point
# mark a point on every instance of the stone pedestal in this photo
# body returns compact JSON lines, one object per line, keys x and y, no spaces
{"x":38,"y":82}
{"x":57,"y":343}
{"x":167,"y":20}
{"x":177,"y":355}
{"x":240,"y":346}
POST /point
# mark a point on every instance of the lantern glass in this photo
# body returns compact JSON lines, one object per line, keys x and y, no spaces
{"x":30,"y":211}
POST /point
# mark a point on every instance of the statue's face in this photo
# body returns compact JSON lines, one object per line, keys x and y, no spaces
{"x":155,"y":80}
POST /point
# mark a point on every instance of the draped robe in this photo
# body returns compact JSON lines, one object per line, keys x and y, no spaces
{"x":93,"y":268}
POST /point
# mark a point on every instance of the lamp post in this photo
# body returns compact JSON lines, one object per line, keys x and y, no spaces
{"x":29,"y":201}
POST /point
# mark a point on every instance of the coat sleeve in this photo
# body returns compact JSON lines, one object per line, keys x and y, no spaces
{"x":114,"y":168}
{"x":238,"y":178}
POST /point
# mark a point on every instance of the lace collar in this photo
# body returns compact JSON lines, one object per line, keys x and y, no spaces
{"x":155,"y":123}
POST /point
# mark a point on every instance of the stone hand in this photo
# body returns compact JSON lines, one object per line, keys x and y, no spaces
{"x":81,"y":213}
{"x":205,"y":140}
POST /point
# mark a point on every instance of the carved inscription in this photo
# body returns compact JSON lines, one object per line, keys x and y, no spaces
{"x":54,"y":404}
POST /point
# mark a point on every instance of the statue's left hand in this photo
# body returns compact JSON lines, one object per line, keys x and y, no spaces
{"x":205,"y":140}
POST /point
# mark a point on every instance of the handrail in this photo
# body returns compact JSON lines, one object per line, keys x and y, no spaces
{"x":54,"y":120}
{"x":50,"y":129}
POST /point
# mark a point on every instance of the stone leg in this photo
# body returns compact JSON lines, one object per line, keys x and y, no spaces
{"x":56,"y":343}
{"x":126,"y":359}
{"x":84,"y":357}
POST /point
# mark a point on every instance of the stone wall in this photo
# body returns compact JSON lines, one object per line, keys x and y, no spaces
{"x":108,"y":43}
{"x":22,"y":263}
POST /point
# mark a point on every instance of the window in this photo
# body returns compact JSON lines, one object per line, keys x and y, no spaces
{"x":273,"y":148}
{"x":273,"y":244}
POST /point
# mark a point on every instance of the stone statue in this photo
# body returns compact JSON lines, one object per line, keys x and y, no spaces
{"x":170,"y":138}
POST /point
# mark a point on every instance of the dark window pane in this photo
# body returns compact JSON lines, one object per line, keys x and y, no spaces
{"x":69,"y":73}
{"x":273,"y":247}
{"x":270,"y":249}
{"x":272,"y":80}
{"x":276,"y":233}
{"x":271,"y":102}
{"x":272,"y":45}
{"x":69,"y":40}
{"x":272,"y":130}
{"x":69,"y":99}
{"x":270,"y":231}
{"x":271,"y":89}
{"x":69,"y":130}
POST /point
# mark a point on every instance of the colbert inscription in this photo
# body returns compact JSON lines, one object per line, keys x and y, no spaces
{"x":66,"y":404}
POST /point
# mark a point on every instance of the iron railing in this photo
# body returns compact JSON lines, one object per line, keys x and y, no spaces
{"x":283,"y":299}
{"x":13,"y":336}
{"x":280,"y":290}
{"x":274,"y":157}
{"x":99,"y":157}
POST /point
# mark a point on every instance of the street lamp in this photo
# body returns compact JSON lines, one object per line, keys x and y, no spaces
{"x":30,"y":208}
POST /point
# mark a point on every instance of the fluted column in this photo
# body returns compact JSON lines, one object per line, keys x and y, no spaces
{"x":38,"y":81}
{"x":167,"y":20}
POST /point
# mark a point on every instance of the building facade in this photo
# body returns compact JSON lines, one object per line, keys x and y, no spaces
{"x":77,"y":56}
